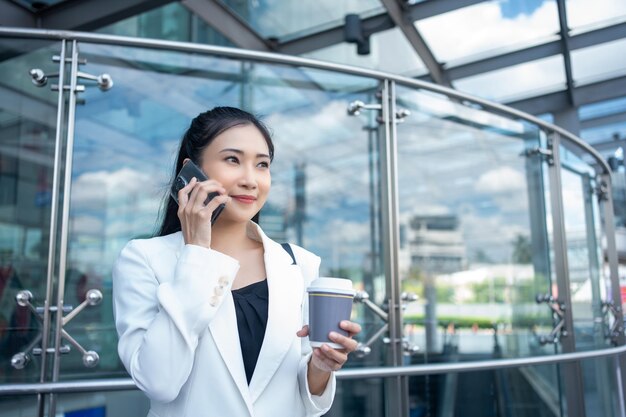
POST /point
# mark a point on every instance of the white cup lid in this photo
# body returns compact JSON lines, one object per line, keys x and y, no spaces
{"x":329,"y":284}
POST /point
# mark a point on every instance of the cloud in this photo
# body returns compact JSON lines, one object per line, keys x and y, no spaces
{"x":481,"y":27}
{"x":499,"y":180}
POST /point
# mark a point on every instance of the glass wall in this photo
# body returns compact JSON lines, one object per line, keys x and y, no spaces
{"x":475,"y":226}
{"x":27,"y":143}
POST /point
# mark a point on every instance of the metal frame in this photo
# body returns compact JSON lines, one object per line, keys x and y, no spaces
{"x":399,"y":15}
{"x":124,"y":384}
{"x":220,"y":17}
{"x":275,"y":58}
{"x":53,"y":224}
{"x":571,"y":373}
{"x":397,"y":387}
{"x":398,"y":373}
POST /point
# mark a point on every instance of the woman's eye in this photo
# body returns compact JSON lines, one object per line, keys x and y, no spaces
{"x":264,"y":164}
{"x":232,"y":159}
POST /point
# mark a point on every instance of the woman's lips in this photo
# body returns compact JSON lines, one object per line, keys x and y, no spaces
{"x":245,"y":199}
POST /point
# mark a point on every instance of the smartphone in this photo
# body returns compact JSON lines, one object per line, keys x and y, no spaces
{"x":187,"y":172}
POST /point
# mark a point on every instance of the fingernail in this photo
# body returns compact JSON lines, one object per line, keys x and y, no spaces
{"x":333,"y":335}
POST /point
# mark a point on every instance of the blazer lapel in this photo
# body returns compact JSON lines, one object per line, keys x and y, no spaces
{"x":285,"y":285}
{"x":226,"y":337}
{"x":223,"y":328}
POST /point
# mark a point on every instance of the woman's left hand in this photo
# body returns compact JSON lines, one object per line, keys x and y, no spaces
{"x":328,"y":359}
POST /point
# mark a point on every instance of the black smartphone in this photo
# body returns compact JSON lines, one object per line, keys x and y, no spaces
{"x":187,"y":172}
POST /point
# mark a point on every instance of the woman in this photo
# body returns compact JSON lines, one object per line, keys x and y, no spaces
{"x":210,"y":317}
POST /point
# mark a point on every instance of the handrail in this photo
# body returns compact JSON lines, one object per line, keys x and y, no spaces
{"x":271,"y":57}
{"x":124,"y":384}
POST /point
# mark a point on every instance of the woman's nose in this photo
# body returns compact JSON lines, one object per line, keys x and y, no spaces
{"x":248,"y":178}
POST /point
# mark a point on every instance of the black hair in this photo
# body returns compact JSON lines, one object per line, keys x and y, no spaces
{"x":203,"y":129}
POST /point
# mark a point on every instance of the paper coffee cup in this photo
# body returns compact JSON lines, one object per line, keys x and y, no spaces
{"x":330,"y":302}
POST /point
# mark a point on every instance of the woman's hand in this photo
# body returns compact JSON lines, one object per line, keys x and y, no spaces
{"x":194,"y":215}
{"x":326,"y":359}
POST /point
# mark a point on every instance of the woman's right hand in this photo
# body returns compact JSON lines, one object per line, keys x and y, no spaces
{"x":195,"y":217}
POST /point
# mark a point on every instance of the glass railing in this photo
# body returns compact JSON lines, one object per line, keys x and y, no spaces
{"x":494,"y":220}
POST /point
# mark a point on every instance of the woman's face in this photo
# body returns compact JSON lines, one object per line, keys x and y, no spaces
{"x":239,"y":159}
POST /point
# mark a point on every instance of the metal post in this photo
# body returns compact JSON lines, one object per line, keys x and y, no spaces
{"x":396,"y":394}
{"x":571,"y":373}
{"x":602,"y":374}
{"x":67,"y":185}
{"x":45,"y":331}
{"x":611,"y":250}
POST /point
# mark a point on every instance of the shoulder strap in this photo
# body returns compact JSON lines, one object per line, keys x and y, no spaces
{"x":287,"y":248}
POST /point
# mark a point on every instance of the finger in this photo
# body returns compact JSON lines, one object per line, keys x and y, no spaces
{"x":216,"y":201}
{"x":303,"y":332}
{"x":183,"y":193}
{"x":337,"y":356}
{"x":351,"y":327}
{"x":200,"y":194}
{"x":347,"y":342}
{"x":327,"y":362}
{"x":206,"y":189}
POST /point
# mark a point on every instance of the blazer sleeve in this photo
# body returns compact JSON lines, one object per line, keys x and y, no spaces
{"x":159,"y":324}
{"x":315,"y":405}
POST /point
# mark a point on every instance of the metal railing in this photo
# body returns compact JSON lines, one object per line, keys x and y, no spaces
{"x":124,"y":384}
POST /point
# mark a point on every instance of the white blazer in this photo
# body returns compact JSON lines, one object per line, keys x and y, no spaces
{"x":178,"y":337}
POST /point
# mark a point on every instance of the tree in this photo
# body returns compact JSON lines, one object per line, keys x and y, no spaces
{"x":522,"y":250}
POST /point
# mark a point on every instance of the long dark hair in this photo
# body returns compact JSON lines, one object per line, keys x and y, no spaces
{"x":203,"y":129}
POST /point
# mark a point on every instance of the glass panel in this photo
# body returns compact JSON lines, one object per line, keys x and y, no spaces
{"x":518,"y":24}
{"x":103,"y":404}
{"x":125,"y":142}
{"x":171,"y":22}
{"x":587,"y":281}
{"x":603,"y":13}
{"x":27,"y":138}
{"x":603,"y":108}
{"x":599,"y":62}
{"x":520,"y":392}
{"x":274,"y":19}
{"x":605,"y":134}
{"x":529,"y":79}
{"x":474,"y":232}
{"x":389,"y":51}
{"x":19,"y":406}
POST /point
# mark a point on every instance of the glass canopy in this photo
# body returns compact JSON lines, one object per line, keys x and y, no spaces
{"x":517,"y":82}
{"x":277,"y":19}
{"x":38,"y":4}
{"x":489,"y":28}
{"x":582,"y":13}
{"x":389,"y":51}
{"x":599,"y":62}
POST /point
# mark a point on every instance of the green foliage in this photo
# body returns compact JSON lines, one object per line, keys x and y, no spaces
{"x":522,"y":250}
{"x":489,"y":291}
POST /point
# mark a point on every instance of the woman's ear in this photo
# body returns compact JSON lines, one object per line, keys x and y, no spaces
{"x":186,"y":160}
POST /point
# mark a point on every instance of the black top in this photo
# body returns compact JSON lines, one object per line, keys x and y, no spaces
{"x":251,"y":308}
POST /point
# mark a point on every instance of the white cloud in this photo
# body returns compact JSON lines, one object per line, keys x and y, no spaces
{"x":481,"y":27}
{"x":499,"y":180}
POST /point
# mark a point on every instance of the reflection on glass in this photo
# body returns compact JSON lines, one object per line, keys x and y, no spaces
{"x":103,"y":404}
{"x":605,"y":133}
{"x":324,"y":180}
{"x":277,"y":19}
{"x":172,"y":22}
{"x":473,"y":232}
{"x":521,"y":392}
{"x":516,"y":23}
{"x":603,"y":13}
{"x":517,"y":82}
{"x":27,"y":137}
{"x":602,"y":108}
{"x":389,"y":51}
{"x":599,"y":62}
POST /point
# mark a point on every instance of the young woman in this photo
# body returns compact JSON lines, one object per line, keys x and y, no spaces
{"x":210,"y":317}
